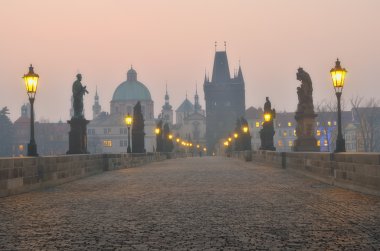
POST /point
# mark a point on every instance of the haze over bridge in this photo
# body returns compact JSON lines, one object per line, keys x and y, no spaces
{"x":201,"y":203}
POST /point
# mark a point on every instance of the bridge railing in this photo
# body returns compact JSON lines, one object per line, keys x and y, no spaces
{"x":356,"y":171}
{"x":23,"y":174}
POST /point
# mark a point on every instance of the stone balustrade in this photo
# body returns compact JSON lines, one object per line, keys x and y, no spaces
{"x":23,"y":174}
{"x":356,"y":171}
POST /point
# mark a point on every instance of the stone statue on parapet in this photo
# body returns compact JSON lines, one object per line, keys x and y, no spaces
{"x":78,"y":92}
{"x":305,"y":92}
{"x":305,"y":116}
{"x":268,"y":108}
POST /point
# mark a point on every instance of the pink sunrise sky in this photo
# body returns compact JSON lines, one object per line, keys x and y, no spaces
{"x":173,"y":41}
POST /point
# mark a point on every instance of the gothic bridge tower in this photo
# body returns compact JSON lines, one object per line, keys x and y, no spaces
{"x":225,"y":100}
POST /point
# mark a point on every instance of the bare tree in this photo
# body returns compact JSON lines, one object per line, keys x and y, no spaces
{"x":367,"y":116}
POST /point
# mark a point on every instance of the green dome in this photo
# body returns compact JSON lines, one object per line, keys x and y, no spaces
{"x":131,"y":89}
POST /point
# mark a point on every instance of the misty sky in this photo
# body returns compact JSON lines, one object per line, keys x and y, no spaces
{"x":173,"y":41}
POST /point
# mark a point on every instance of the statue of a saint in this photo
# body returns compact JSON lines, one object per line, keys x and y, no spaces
{"x":305,"y":92}
{"x":78,"y":92}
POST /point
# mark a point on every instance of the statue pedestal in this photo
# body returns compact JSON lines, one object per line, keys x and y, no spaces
{"x":266,"y":136}
{"x":78,"y":136}
{"x":306,"y":141}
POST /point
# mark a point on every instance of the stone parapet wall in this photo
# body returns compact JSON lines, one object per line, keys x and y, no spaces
{"x":18,"y":175}
{"x":356,"y":171}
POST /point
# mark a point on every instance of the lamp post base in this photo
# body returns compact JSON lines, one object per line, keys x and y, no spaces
{"x":340,"y":146}
{"x":32,"y":150}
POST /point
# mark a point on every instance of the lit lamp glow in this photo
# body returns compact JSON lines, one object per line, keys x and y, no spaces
{"x":229,"y":139}
{"x":31,"y":82}
{"x":170,"y":136}
{"x":267,"y":117}
{"x":226,"y":143}
{"x":128,"y":120}
{"x":236,"y":135}
{"x":245,"y":129}
{"x":338,"y":75}
{"x":157,"y":130}
{"x":177,"y":140}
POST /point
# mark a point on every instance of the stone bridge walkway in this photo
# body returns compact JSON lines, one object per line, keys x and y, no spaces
{"x":194,"y":203}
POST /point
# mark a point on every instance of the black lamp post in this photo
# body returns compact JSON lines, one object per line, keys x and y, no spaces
{"x":159,"y":139}
{"x":338,"y":75}
{"x":31,"y":83}
{"x":129,"y":121}
{"x":246,"y":136}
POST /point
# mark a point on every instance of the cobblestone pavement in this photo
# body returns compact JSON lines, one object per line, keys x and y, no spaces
{"x":195,"y":203}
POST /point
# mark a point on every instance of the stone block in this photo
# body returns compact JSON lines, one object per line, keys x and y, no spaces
{"x":6,"y":163}
{"x":15,"y":183}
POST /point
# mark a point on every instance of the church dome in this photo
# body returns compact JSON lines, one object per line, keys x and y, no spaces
{"x":131,"y":89}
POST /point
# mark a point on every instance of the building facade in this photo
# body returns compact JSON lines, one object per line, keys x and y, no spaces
{"x":108,"y":133}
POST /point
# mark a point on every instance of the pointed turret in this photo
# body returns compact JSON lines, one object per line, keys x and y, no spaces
{"x":221,"y":70}
{"x":167,"y":111}
{"x":240,"y":75}
{"x":96,"y":108}
{"x":197,"y":106}
{"x":166,"y":106}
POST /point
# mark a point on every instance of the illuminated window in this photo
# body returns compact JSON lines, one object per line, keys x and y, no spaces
{"x":317,"y":123}
{"x":107,"y":143}
{"x":335,"y":123}
{"x":318,"y":143}
{"x":289,"y":124}
{"x":318,"y":132}
{"x":295,"y":133}
{"x":285,"y":134}
{"x":329,"y":123}
{"x":325,"y":143}
{"x":325,"y":132}
{"x":257,"y":124}
{"x":279,"y":124}
{"x":280,"y":143}
{"x":290,"y":143}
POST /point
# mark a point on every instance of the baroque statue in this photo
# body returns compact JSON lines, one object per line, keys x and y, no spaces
{"x":305,"y":116}
{"x":78,"y":92}
{"x":305,"y":92}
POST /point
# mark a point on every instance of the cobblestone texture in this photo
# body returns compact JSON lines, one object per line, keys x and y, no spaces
{"x":194,"y":203}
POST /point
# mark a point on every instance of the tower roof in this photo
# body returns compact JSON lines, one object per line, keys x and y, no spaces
{"x":186,"y":106}
{"x":221,"y":70}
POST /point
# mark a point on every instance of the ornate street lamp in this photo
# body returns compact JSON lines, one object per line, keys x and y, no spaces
{"x":338,"y":75}
{"x":236,"y":135}
{"x":31,"y":83}
{"x":245,"y":129}
{"x":128,"y":122}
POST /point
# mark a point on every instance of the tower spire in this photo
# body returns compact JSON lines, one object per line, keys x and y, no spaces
{"x":197,"y":107}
